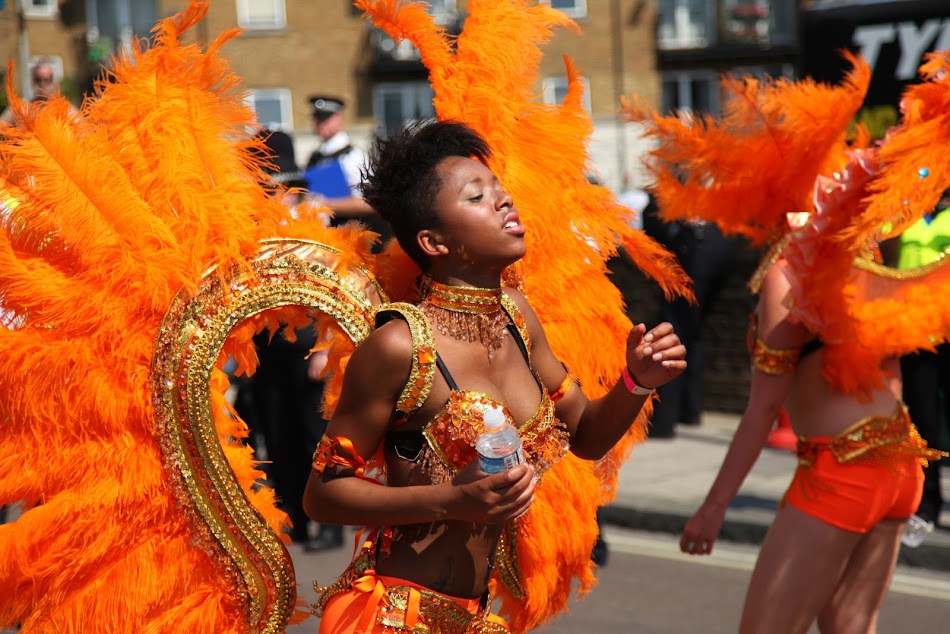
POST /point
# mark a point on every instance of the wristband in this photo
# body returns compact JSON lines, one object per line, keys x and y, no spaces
{"x":632,"y":386}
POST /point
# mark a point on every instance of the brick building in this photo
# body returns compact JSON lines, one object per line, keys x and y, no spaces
{"x":294,"y":48}
{"x":667,"y":51}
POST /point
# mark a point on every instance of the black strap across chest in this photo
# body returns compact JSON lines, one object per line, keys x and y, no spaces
{"x":408,"y":443}
{"x":316,"y":158}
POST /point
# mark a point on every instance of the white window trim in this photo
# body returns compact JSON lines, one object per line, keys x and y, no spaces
{"x":680,"y":40}
{"x":411,"y":91}
{"x":280,"y":21}
{"x":683,"y":80}
{"x":549,"y":87}
{"x":33,"y":11}
{"x":578,"y":11}
{"x":283,"y":96}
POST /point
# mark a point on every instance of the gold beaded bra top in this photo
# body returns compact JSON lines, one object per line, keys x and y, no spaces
{"x":446,"y":443}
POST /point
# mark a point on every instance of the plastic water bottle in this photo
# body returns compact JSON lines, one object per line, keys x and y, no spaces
{"x":916,"y":531}
{"x":499,"y":445}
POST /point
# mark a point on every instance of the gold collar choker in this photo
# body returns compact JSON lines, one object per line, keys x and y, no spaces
{"x":466,"y":313}
{"x":461,"y":299}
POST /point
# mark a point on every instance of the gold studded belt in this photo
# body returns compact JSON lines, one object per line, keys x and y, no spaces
{"x":894,"y":434}
{"x":402,"y":607}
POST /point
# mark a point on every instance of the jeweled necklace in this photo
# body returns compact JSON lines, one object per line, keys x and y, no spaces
{"x":466,"y":313}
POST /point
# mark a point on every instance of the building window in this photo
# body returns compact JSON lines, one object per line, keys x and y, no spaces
{"x":574,"y":8}
{"x":554,"y":91}
{"x":696,"y":91}
{"x":41,"y":8}
{"x":273,"y":109}
{"x":756,"y":21}
{"x":397,"y":103}
{"x":684,"y":24}
{"x":262,"y":14}
{"x":386,"y":47}
{"x":786,"y":71}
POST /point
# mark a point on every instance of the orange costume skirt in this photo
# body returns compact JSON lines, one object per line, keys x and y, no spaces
{"x":362,"y":602}
{"x":869,"y":472}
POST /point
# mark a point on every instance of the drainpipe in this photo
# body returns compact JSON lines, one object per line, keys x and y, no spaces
{"x":23,"y":51}
{"x":616,"y":22}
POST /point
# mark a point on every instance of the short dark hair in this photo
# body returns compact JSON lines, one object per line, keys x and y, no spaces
{"x":400,"y":180}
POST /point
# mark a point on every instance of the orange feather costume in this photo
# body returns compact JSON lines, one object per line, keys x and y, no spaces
{"x":139,"y":252}
{"x":776,"y":168}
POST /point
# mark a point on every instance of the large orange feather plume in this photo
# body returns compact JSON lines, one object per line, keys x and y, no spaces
{"x":914,"y":170}
{"x":487,"y":79}
{"x":757,"y":162}
{"x":780,"y":149}
{"x":105,"y":217}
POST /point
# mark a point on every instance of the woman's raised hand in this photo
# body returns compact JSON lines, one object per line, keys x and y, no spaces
{"x":655,"y":357}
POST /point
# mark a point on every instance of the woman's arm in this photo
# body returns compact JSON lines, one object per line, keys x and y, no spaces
{"x":374,"y":377}
{"x":653,"y":358}
{"x":767,"y":393}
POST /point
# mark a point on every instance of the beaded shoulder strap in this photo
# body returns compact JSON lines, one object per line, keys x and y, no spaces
{"x":517,"y":318}
{"x":422,"y":374}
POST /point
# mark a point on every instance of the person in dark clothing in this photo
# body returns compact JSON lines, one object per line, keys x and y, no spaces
{"x":708,"y":258}
{"x":282,"y":400}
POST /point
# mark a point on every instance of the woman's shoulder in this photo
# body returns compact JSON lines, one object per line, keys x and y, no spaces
{"x":388,"y":344}
{"x":518,"y":299}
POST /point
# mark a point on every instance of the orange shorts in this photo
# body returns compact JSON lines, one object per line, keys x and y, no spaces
{"x":856,"y":495}
{"x":386,"y":605}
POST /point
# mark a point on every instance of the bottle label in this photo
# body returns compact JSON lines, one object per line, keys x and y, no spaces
{"x":497,"y":465}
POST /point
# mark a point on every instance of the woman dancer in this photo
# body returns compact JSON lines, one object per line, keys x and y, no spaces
{"x":831,"y":550}
{"x":420,"y":384}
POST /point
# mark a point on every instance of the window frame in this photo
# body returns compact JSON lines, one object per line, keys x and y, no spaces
{"x":684,"y":79}
{"x":680,"y":41}
{"x":579,"y":10}
{"x":418,"y":92}
{"x":30,"y":9}
{"x":551,"y":84}
{"x":244,"y":21}
{"x":283,"y":96}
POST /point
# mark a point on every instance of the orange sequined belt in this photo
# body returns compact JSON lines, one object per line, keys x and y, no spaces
{"x":871,"y":438}
{"x":400,"y":606}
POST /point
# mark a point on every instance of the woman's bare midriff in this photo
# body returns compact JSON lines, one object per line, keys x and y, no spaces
{"x":456,"y":558}
{"x":817,"y":409}
{"x":453,"y":558}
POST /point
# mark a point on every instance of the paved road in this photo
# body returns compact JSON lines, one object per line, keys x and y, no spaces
{"x":649,"y":587}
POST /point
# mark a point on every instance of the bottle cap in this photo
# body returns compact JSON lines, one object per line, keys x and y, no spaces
{"x":493,"y":418}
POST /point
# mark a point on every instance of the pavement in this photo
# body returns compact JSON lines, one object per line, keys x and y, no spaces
{"x":665,"y":480}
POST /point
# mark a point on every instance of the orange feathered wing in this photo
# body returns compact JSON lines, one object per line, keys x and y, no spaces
{"x":914,"y":169}
{"x":780,"y":149}
{"x":758,"y":162}
{"x":488,"y":80}
{"x":110,"y":218}
{"x":867,"y":312}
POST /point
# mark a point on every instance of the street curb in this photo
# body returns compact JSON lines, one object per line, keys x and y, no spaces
{"x":931,"y":556}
